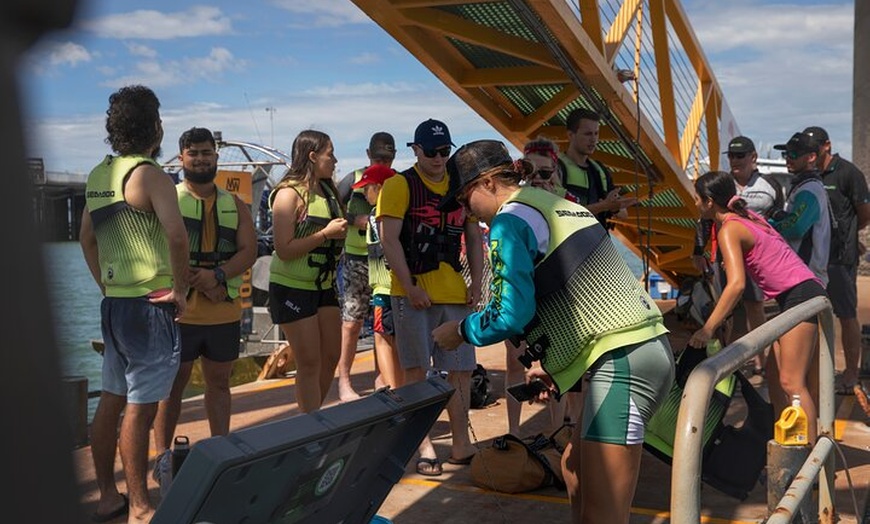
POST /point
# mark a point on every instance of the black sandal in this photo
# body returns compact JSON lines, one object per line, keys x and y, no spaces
{"x":430,"y":467}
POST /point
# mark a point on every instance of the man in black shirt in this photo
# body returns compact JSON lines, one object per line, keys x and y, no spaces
{"x":850,"y":203}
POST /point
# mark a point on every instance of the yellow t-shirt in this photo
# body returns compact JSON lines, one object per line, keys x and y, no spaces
{"x":444,"y":285}
{"x":200,"y":310}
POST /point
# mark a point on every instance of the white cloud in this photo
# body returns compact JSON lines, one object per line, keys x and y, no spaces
{"x":362,"y":90}
{"x":325,"y":13}
{"x":725,"y":26}
{"x":186,"y":70}
{"x":365,"y":59}
{"x":349,"y":120}
{"x":783,"y":68}
{"x":144,"y":24}
{"x":141,"y":50}
{"x":48,"y":57}
{"x":68,"y":53}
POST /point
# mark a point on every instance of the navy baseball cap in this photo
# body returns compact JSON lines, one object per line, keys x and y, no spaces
{"x":432,"y":134}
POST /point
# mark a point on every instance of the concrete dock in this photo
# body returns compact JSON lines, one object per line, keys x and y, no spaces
{"x":453,"y":499}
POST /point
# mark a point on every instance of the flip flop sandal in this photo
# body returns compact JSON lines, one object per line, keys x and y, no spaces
{"x":112,"y":515}
{"x":430,"y":467}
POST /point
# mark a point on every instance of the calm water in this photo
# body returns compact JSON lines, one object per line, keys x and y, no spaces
{"x":75,"y":300}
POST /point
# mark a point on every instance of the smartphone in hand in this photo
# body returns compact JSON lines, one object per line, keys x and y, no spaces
{"x":524,"y":392}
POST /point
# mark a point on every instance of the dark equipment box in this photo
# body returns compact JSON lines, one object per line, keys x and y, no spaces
{"x":336,"y":465}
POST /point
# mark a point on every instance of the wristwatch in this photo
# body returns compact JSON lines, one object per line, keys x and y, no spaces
{"x":219,"y":275}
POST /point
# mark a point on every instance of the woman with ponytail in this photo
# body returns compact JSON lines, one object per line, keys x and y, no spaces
{"x":308,"y":226}
{"x":749,"y":245}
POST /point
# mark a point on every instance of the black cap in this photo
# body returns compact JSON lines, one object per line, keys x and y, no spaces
{"x":800,"y":143}
{"x":382,"y":145}
{"x":818,"y":133}
{"x":741,"y":144}
{"x":474,"y":159}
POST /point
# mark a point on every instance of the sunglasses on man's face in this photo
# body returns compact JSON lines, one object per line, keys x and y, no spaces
{"x":444,"y":152}
{"x":544,"y":174}
{"x":792,"y":155}
{"x":737,"y":155}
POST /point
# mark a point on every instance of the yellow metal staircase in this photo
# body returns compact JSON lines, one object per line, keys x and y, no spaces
{"x":525,"y":64}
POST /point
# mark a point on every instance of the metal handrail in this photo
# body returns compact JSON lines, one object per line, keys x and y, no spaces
{"x":688,"y":444}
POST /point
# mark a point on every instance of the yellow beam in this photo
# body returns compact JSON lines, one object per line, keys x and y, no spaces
{"x":405,"y":4}
{"x":512,"y":76}
{"x":621,"y":24}
{"x":659,"y":24}
{"x":659,"y":227}
{"x":635,"y":212}
{"x":714,"y":109}
{"x":552,"y":106}
{"x":451,"y":25}
{"x":682,"y":28}
{"x":676,"y":255}
{"x":693,"y":122}
{"x":590,"y":18}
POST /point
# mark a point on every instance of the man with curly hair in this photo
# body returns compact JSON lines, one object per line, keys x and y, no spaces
{"x":135,"y":244}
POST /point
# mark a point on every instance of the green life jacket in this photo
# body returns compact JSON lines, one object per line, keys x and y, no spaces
{"x":226,"y":216}
{"x":133,"y":249}
{"x":357,"y":205}
{"x":379,"y":270}
{"x":316,"y":269}
{"x":588,"y":301}
{"x":577,"y":179}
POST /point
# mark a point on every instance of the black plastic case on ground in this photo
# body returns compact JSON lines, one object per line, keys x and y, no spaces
{"x":335,"y":465}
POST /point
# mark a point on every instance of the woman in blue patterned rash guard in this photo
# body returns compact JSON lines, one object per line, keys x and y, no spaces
{"x":560,"y":285}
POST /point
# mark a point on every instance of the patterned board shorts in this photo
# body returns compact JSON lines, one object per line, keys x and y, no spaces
{"x":356,"y":293}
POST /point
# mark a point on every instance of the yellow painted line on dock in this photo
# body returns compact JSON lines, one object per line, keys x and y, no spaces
{"x":263,"y":385}
{"x":842,"y":419}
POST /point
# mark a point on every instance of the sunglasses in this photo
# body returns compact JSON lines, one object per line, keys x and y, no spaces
{"x":443,"y":152}
{"x":737,"y":155}
{"x":792,"y":155}
{"x":544,"y":174}
{"x":465,"y":194}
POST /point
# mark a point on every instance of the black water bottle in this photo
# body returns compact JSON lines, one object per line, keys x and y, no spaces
{"x":180,"y":449}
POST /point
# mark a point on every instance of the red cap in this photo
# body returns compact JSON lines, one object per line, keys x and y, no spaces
{"x":375,"y":174}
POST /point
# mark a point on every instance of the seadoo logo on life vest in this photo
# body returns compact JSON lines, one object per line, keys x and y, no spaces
{"x":100,"y":194}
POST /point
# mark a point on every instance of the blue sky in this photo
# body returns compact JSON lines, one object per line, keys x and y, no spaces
{"x":324,"y":64}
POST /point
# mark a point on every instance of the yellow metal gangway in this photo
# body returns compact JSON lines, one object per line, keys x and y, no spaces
{"x":525,"y":64}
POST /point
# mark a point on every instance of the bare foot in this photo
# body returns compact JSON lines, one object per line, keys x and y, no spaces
{"x":139,"y":516}
{"x":111,"y":507}
{"x":346,"y":393}
{"x":462,"y":455}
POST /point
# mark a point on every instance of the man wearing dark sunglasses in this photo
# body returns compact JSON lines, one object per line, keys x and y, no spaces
{"x":806,"y":220}
{"x":422,"y":246}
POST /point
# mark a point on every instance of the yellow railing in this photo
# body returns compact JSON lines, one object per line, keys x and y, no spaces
{"x":523,"y":65}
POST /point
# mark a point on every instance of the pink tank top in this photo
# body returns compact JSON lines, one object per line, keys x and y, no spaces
{"x":771,"y":263}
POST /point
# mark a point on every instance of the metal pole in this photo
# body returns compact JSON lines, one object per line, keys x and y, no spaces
{"x":686,"y":480}
{"x":271,"y":110}
{"x":861,"y":102}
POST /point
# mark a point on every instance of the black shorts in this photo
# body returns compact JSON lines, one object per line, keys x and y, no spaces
{"x":219,"y":343}
{"x":798,"y":295}
{"x":843,"y":290}
{"x":287,"y":304}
